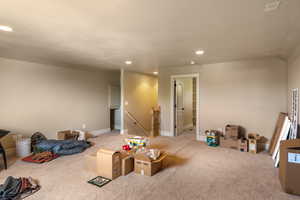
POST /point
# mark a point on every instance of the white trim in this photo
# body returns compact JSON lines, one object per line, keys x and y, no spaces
{"x":173,"y":77}
{"x":122,"y":101}
{"x":99,"y":132}
{"x":124,"y":131}
{"x":166,"y":133}
{"x":201,"y":138}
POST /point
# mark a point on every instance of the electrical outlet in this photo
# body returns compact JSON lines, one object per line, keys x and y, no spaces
{"x":83,"y":126}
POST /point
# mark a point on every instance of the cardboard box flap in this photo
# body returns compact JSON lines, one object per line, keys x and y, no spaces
{"x":290,"y":143}
{"x":161,"y":157}
{"x":142,"y":157}
{"x":254,"y":136}
{"x":230,"y":126}
{"x":145,"y":158}
{"x":107,"y":151}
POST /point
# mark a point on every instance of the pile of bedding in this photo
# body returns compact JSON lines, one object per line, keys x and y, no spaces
{"x":18,"y":188}
{"x":59,"y":147}
{"x":63,"y":147}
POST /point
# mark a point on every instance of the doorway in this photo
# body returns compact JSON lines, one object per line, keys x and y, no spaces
{"x":185,"y":104}
{"x":114,"y":99}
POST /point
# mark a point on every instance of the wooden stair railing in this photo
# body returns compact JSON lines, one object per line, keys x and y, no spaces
{"x":155,"y":127}
{"x":134,"y":126}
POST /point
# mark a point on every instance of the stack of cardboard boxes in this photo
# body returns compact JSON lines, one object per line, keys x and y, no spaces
{"x":243,"y":145}
{"x":112,"y":164}
{"x":231,"y":137}
{"x":256,"y":143}
{"x":234,"y":139}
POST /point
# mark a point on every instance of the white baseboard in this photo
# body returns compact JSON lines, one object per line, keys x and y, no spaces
{"x":124,"y":131}
{"x":101,"y":131}
{"x":201,"y":138}
{"x":166,"y":133}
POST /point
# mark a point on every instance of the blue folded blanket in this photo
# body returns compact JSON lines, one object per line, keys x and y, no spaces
{"x":63,"y":147}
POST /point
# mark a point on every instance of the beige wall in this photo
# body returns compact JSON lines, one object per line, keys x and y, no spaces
{"x":187,"y":101}
{"x":249,"y":93}
{"x":140,"y":92}
{"x":293,"y":74}
{"x":36,"y":97}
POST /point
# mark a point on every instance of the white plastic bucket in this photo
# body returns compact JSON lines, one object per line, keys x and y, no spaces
{"x":23,"y":147}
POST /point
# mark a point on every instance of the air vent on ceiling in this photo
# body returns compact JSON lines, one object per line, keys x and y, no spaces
{"x":272,"y":6}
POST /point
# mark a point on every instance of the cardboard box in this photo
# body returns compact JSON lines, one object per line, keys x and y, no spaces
{"x":256,"y":143}
{"x":127,"y":164}
{"x":289,"y":166}
{"x":243,"y":145}
{"x":67,"y":134}
{"x":229,"y":143}
{"x":212,"y":138}
{"x":109,"y":163}
{"x":254,"y":136}
{"x":276,"y":134}
{"x":232,"y":131}
{"x":8,"y":142}
{"x":255,"y":146}
{"x":91,"y":162}
{"x":145,"y":166}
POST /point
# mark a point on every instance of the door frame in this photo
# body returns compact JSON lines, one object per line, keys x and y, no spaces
{"x":173,"y":77}
{"x":175,"y":116}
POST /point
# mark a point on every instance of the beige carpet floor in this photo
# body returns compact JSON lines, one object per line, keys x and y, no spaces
{"x":193,"y":171}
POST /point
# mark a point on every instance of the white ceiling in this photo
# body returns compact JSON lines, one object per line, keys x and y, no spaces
{"x":151,"y":33}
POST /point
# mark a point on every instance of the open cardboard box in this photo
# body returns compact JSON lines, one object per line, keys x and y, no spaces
{"x":145,"y":166}
{"x":232,"y":131}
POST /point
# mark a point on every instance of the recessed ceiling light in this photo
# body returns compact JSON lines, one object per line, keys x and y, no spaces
{"x":155,"y":73}
{"x":192,"y":62}
{"x":128,"y":62}
{"x":5,"y":28}
{"x":199,"y":52}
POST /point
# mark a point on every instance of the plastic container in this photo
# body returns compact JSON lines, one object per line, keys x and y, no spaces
{"x":23,"y":147}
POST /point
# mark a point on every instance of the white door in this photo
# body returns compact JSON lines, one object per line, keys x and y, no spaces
{"x":179,"y":107}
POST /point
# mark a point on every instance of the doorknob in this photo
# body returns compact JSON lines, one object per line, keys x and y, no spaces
{"x":182,"y":108}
